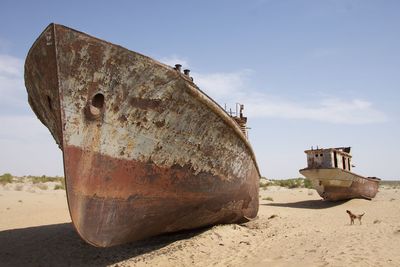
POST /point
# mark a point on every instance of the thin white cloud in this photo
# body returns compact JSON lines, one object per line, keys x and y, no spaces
{"x":28,"y":148}
{"x":10,"y":66}
{"x":21,"y":128}
{"x":12,"y":90}
{"x":232,"y":87}
{"x":221,"y":85}
{"x":174,"y":59}
{"x":26,"y":145}
{"x":329,"y":110}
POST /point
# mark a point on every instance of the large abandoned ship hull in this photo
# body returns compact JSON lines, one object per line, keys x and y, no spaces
{"x":337,"y":184}
{"x":145,"y":151}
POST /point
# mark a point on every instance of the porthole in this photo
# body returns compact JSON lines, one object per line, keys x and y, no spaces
{"x":98,"y":100}
{"x":95,"y":107}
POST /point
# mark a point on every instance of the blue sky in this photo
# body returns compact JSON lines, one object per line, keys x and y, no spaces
{"x":310,"y":73}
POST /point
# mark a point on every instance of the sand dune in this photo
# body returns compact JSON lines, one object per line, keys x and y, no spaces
{"x":294,"y":228}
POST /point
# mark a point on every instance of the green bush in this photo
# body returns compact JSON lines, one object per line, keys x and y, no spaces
{"x":41,"y":179}
{"x":6,"y":178}
{"x":292,"y":183}
{"x":307,"y":183}
{"x":45,"y":179}
{"x":61,"y":180}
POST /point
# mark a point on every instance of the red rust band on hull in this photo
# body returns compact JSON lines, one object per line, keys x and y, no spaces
{"x":365,"y":190}
{"x":127,"y":200}
{"x":145,"y":151}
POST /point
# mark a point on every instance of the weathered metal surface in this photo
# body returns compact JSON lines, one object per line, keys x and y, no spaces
{"x":337,"y":184}
{"x":145,"y":151}
{"x":329,"y":172}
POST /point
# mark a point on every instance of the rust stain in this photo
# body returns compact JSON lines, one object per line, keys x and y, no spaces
{"x":122,"y":118}
{"x":167,"y":192}
{"x":160,"y":124}
{"x":330,"y":173}
{"x":145,"y":151}
{"x":143,"y":103}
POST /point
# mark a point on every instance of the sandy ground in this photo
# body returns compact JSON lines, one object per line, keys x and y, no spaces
{"x":294,"y":228}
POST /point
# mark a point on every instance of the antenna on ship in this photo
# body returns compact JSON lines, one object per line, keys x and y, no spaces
{"x":241,"y":111}
{"x":236,"y":108}
{"x":240,"y":119}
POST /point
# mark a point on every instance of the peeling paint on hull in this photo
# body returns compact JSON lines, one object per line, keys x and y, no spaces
{"x":145,"y":151}
{"x":336,"y":184}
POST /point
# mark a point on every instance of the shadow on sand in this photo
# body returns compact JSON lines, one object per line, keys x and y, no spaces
{"x":60,"y":245}
{"x":308,"y":204}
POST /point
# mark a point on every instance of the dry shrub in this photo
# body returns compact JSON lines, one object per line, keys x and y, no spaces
{"x":18,"y":187}
{"x":42,"y":186}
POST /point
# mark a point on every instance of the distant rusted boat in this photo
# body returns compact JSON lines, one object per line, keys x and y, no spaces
{"x":330,"y":173}
{"x":145,"y":150}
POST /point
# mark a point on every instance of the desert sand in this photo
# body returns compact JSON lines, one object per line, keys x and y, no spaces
{"x":294,"y":228}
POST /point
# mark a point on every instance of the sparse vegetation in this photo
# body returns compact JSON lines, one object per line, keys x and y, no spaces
{"x":390,"y":184}
{"x":307,"y":183}
{"x":6,"y":178}
{"x":44,"y":179}
{"x":268,"y":198}
{"x":60,"y":186}
{"x":289,"y":183}
{"x":40,"y":182}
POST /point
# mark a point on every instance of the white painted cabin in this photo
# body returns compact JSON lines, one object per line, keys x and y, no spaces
{"x":329,"y":158}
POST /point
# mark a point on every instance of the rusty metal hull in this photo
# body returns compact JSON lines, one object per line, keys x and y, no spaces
{"x":337,"y":184}
{"x":145,"y":151}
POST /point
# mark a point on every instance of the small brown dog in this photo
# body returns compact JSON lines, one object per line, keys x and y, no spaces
{"x":354,"y":216}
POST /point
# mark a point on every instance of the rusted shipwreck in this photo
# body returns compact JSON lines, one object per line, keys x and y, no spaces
{"x":330,"y":173}
{"x":145,"y":151}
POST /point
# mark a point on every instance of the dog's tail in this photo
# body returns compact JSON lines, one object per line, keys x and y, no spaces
{"x":361,"y":215}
